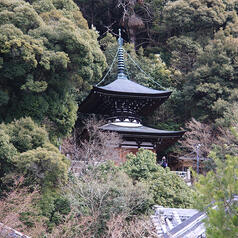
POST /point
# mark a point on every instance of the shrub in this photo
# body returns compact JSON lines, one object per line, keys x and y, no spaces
{"x":26,"y":135}
{"x":217,"y":195}
{"x":167,"y":188}
{"x":142,"y":166}
{"x":55,"y":207}
{"x":25,"y":149}
{"x":44,"y":166}
{"x":7,"y":152}
{"x":105,"y":197}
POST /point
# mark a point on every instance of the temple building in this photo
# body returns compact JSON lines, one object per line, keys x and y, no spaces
{"x":124,"y":103}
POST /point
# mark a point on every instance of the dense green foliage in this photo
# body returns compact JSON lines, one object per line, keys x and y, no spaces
{"x":199,"y":42}
{"x":167,"y":188}
{"x":25,"y":134}
{"x":46,"y":166}
{"x":48,"y":57}
{"x":212,"y":83}
{"x":218,"y":190}
{"x":26,"y":150}
{"x":7,"y":152}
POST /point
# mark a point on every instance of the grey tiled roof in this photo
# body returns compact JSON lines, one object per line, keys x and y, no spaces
{"x":185,"y":228}
{"x":8,"y":232}
{"x":179,"y":223}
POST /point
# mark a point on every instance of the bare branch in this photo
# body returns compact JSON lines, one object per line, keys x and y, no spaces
{"x":198,"y":134}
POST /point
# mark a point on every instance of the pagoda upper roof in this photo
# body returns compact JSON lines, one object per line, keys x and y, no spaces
{"x":138,"y":99}
{"x":96,"y":103}
{"x":125,"y":86}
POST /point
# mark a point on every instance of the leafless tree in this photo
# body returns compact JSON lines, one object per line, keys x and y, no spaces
{"x":94,"y":146}
{"x":15,"y":203}
{"x":118,"y":227}
{"x":198,"y":134}
{"x":228,"y":141}
{"x":130,"y":20}
{"x":110,"y":200}
{"x":70,"y":146}
{"x":98,"y":145}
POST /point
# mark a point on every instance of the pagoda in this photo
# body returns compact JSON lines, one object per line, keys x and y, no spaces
{"x":123,"y":103}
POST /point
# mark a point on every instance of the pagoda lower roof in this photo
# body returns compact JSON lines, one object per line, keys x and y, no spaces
{"x":140,"y":130}
{"x":160,"y":139}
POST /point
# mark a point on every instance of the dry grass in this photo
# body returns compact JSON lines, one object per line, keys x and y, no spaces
{"x":118,"y":227}
{"x":19,"y":201}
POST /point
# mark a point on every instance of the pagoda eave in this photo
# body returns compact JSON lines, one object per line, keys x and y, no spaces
{"x":161,"y":94}
{"x":141,"y":131}
{"x":96,"y":102}
{"x":159,"y":139}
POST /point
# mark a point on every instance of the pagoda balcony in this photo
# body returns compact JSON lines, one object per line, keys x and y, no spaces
{"x":129,"y":119}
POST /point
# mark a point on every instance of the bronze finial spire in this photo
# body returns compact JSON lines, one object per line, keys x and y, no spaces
{"x":121,"y":66}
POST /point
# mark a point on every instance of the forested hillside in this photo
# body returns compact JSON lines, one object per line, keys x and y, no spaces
{"x":55,"y":58}
{"x":196,"y":39}
{"x":52,"y":52}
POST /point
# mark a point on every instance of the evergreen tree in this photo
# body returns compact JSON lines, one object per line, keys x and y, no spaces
{"x":211,"y":84}
{"x":25,"y":150}
{"x":197,"y":39}
{"x":218,"y":197}
{"x":48,"y":59}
